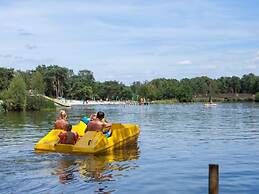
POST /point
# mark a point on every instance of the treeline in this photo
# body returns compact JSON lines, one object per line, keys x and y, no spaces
{"x":56,"y":81}
{"x":186,"y":89}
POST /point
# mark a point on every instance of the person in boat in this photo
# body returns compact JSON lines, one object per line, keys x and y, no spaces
{"x":93,"y":116}
{"x":68,"y":137}
{"x":99,"y":123}
{"x":61,"y":122}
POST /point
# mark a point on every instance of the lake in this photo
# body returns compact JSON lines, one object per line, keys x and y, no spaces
{"x":175,"y":146}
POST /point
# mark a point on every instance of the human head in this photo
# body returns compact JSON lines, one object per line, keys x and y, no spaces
{"x":93,"y":117}
{"x":63,"y":114}
{"x":69,"y":127}
{"x":100,"y":115}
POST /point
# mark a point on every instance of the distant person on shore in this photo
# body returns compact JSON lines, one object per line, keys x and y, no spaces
{"x":68,"y":137}
{"x":99,"y":123}
{"x":61,"y":122}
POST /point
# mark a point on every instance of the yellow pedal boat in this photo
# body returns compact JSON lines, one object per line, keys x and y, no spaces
{"x":89,"y":142}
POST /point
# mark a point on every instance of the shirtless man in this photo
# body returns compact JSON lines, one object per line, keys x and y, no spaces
{"x":98,"y":124}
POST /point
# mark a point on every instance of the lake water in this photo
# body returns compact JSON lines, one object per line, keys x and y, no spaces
{"x":171,"y":155}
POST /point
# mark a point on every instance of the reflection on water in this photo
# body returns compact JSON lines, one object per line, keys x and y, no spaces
{"x":177,"y":142}
{"x":102,"y":167}
{"x":98,"y":168}
{"x":65,"y":170}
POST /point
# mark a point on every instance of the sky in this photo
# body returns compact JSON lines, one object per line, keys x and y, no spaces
{"x":132,"y":40}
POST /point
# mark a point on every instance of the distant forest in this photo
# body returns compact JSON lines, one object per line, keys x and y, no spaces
{"x":56,"y":81}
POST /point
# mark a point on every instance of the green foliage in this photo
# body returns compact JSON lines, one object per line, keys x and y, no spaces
{"x":33,"y":103}
{"x":26,"y":75}
{"x":6,"y":75}
{"x":184,"y":93}
{"x":36,"y":103}
{"x":257,"y":97}
{"x":249,"y":83}
{"x":14,"y":98}
{"x":83,"y":92}
{"x":37,"y":83}
{"x":81,"y":85}
{"x":112,"y":90}
{"x":56,"y":79}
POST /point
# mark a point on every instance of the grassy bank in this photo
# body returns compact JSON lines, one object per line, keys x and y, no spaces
{"x":215,"y":98}
{"x":226,"y":98}
{"x":169,"y":101}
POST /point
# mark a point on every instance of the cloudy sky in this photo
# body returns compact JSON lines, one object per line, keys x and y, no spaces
{"x":131,"y":40}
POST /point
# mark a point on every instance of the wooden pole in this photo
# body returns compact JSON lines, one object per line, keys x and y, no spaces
{"x":213,"y":179}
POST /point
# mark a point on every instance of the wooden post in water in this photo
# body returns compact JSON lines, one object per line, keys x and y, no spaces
{"x":213,"y":179}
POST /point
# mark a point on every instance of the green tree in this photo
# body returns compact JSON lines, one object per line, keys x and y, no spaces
{"x":81,"y":85}
{"x":37,"y":83}
{"x":26,"y":75}
{"x":248,"y":83}
{"x":56,"y":79}
{"x":15,"y":97}
{"x":184,"y":92}
{"x":6,"y":75}
{"x":257,"y":97}
{"x":111,"y":90}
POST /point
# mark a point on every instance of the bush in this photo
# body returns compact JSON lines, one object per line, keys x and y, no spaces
{"x":36,"y":103}
{"x":14,"y":98}
{"x":184,"y":93}
{"x":257,"y":97}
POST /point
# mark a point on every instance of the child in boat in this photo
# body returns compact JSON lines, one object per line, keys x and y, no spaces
{"x":68,"y":137}
{"x":61,"y":122}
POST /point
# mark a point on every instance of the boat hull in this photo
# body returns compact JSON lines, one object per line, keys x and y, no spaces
{"x":91,"y":141}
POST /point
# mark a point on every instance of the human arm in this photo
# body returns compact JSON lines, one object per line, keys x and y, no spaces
{"x":106,"y":127}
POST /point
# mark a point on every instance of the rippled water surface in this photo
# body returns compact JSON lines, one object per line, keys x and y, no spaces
{"x":171,"y":155}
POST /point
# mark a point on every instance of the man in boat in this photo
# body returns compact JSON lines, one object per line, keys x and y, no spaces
{"x":99,"y":123}
{"x":61,"y":122}
{"x":93,"y":116}
{"x":68,"y":137}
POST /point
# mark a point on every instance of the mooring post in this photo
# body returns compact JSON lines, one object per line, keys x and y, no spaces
{"x":213,"y":178}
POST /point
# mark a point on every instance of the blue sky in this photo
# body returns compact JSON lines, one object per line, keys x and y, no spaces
{"x":133,"y":40}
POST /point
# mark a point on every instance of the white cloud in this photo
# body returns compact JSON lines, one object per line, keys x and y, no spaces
{"x":184,"y":62}
{"x":251,"y":67}
{"x":257,"y":56}
{"x":212,"y":67}
{"x":23,"y":32}
{"x":129,"y":37}
{"x":30,"y":46}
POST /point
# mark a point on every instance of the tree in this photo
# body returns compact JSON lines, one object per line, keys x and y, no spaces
{"x":15,"y":97}
{"x":235,"y":84}
{"x":112,"y":90}
{"x":81,"y":85}
{"x":56,"y":79}
{"x":37,"y":83}
{"x":248,"y":83}
{"x":26,"y":75}
{"x":184,"y":93}
{"x":201,"y":85}
{"x":257,"y":97}
{"x":6,"y":75}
